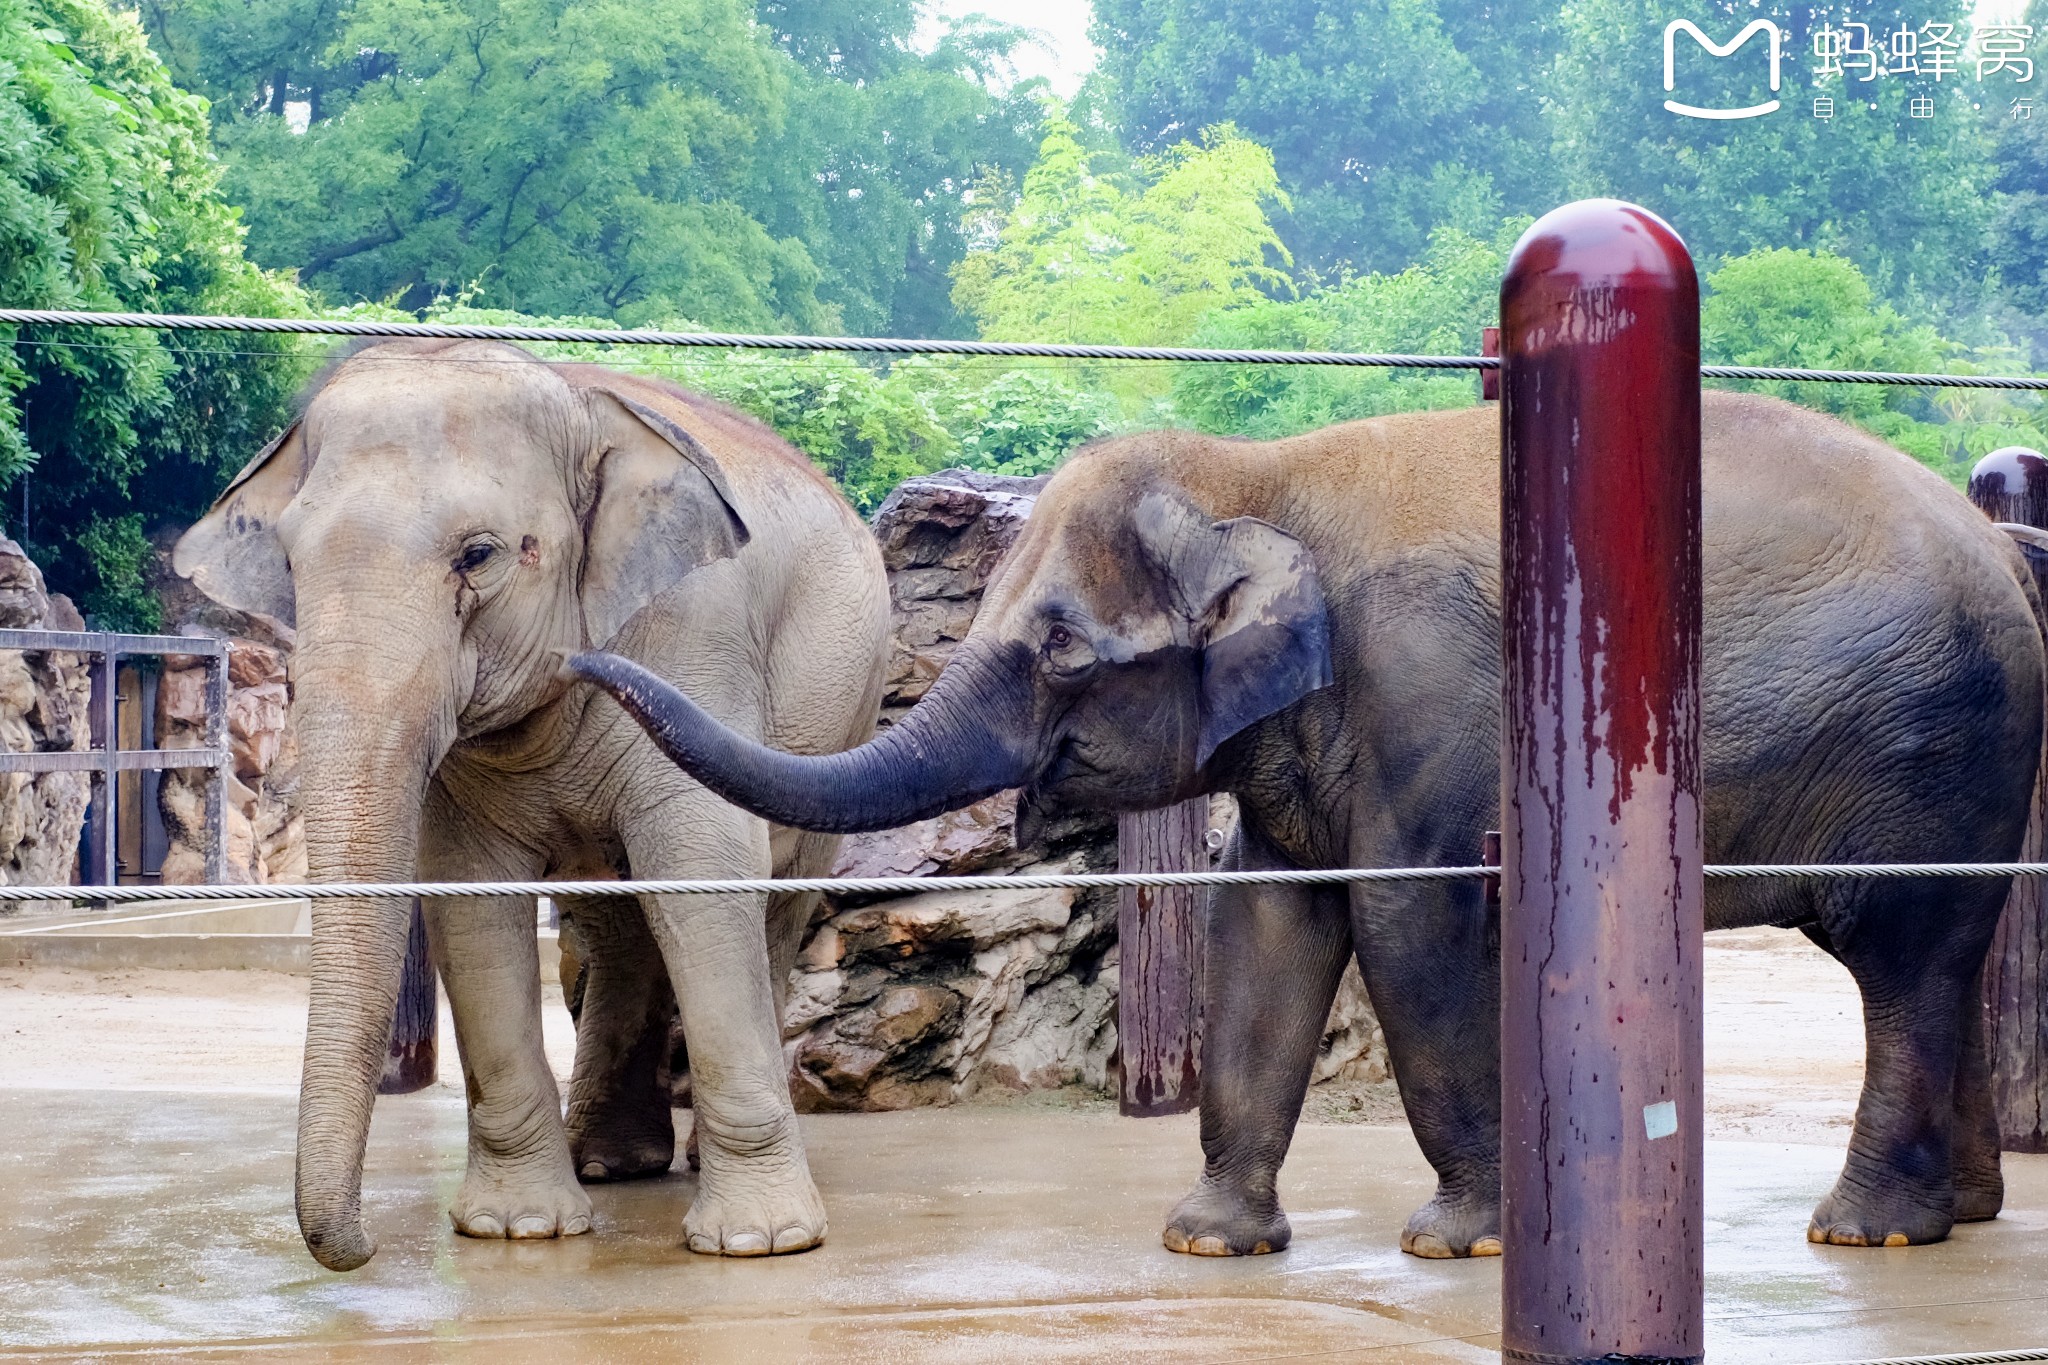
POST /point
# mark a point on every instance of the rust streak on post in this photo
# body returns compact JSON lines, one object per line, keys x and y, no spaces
{"x":1600,"y":942}
{"x":414,"y":1061}
{"x":2012,"y":485}
{"x":1159,"y":962}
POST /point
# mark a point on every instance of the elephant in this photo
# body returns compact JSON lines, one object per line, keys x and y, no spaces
{"x":1313,"y":624}
{"x":445,"y":522}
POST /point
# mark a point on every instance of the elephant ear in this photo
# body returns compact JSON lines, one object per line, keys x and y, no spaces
{"x":1254,"y":603}
{"x":659,"y":506}
{"x":233,"y":554}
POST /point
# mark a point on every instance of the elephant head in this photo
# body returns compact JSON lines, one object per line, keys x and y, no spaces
{"x":1134,"y":630}
{"x":442,"y":523}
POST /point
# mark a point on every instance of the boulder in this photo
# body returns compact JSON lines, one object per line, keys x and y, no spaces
{"x":44,"y":706}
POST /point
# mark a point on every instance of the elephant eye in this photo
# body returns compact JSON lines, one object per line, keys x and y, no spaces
{"x":1059,"y":637}
{"x":473,"y":556}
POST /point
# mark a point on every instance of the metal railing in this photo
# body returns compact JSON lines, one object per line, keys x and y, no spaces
{"x":108,"y":760}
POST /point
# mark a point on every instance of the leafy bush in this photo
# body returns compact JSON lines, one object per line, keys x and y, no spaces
{"x":868,"y":426}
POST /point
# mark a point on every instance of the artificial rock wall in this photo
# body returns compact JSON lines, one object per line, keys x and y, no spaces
{"x":45,"y":702}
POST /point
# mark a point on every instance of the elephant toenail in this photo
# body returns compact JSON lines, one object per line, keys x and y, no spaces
{"x":1896,"y":1239}
{"x":576,"y":1226}
{"x":1428,"y":1246}
{"x":1175,"y":1240}
{"x":1815,"y":1233}
{"x":793,"y":1239}
{"x":1264,"y":1248}
{"x":594,"y":1170}
{"x":484,"y":1225}
{"x":1486,"y":1246}
{"x":1208,"y":1245}
{"x":746,"y":1244}
{"x":704,"y":1246}
{"x":533,"y":1225}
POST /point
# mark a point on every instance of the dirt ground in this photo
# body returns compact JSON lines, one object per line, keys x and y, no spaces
{"x":1784,"y":1041}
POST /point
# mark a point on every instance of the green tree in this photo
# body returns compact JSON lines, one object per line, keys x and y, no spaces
{"x":1435,"y":307}
{"x":1816,"y":310}
{"x":804,"y":171}
{"x":109,"y":200}
{"x":1906,"y":198}
{"x":1387,"y":118}
{"x":1087,"y":257}
{"x":873,"y":173}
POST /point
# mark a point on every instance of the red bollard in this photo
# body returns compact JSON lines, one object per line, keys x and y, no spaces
{"x":1600,"y":930}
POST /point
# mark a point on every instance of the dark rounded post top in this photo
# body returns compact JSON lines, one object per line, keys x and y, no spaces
{"x":1598,"y":242}
{"x":2011,"y":484}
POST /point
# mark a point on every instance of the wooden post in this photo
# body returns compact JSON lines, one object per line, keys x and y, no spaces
{"x":414,"y":1061}
{"x":1603,"y":890}
{"x":2012,"y":485}
{"x":1159,"y":956}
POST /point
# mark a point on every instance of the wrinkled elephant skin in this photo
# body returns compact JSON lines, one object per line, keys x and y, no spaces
{"x":1313,"y":625}
{"x":444,"y":523}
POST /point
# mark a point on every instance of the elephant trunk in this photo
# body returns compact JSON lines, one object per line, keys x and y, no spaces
{"x":961,"y":743}
{"x":362,"y":824}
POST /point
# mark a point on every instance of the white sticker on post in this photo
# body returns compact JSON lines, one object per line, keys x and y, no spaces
{"x":1660,"y":1120}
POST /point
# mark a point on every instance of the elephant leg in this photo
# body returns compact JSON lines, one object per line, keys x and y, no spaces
{"x":1979,"y":1179}
{"x":1274,"y":958}
{"x":755,"y":1196}
{"x":1898,"y":1186}
{"x":620,"y":1125}
{"x":1430,"y":955}
{"x":520,"y":1181}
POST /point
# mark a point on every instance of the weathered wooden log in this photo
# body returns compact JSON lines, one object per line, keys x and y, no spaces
{"x":414,"y":1061}
{"x":1159,"y":956}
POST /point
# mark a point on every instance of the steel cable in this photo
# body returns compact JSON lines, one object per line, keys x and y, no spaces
{"x":1967,"y":1358}
{"x":621,"y":336}
{"x":903,"y":886}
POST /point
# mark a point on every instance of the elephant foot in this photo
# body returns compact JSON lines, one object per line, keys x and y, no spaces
{"x":1451,"y":1227}
{"x":760,"y":1204}
{"x":1218,"y":1220}
{"x":1854,"y":1215}
{"x":1979,"y":1177}
{"x":1979,"y":1200}
{"x":621,"y":1138}
{"x":501,"y":1206}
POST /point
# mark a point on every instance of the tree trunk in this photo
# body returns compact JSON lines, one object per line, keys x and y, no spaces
{"x":414,"y":1061}
{"x":2012,"y":485}
{"x":1159,"y":952}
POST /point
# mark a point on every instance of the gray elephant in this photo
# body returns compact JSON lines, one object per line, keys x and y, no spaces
{"x":1314,"y":625}
{"x":445,"y":521}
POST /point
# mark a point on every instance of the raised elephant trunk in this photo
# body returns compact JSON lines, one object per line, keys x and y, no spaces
{"x":941,"y":756}
{"x":362,"y":824}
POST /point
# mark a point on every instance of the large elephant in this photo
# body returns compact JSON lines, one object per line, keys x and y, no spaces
{"x":445,"y":522}
{"x":1313,"y":624}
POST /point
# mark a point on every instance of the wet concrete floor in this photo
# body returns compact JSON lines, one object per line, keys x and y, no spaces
{"x":147,"y":1224}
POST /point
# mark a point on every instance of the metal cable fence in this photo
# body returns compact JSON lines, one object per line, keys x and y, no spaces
{"x":899,"y":886}
{"x":885,"y":886}
{"x":756,"y":341}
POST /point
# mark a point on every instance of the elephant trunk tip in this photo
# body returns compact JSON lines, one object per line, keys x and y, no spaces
{"x":338,"y":1243}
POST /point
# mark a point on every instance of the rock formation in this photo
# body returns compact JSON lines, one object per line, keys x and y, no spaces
{"x":44,"y":706}
{"x":266,"y":838}
{"x":926,"y":998}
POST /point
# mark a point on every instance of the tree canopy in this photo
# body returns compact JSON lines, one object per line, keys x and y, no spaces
{"x":672,"y":157}
{"x":109,"y":200}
